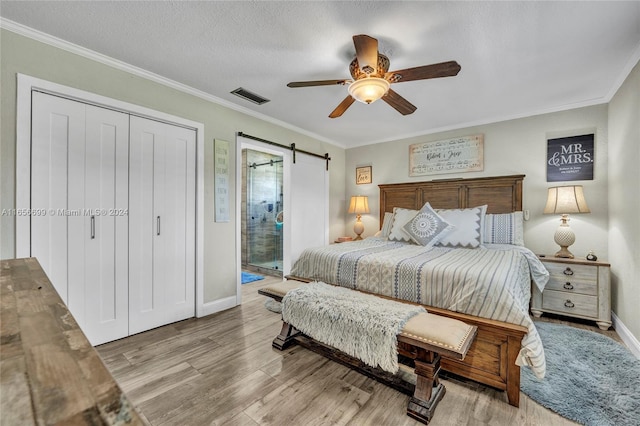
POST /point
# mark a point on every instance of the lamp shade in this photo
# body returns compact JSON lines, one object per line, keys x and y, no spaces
{"x":566,"y":200}
{"x":368,"y":90}
{"x":359,"y":204}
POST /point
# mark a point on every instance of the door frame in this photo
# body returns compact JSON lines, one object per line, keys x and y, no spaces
{"x":244,"y":143}
{"x":26,"y":85}
{"x":287,"y":165}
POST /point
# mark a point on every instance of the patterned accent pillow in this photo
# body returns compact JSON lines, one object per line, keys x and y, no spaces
{"x":469,"y":226}
{"x":504,"y":228}
{"x":427,"y":228}
{"x":400,"y":218}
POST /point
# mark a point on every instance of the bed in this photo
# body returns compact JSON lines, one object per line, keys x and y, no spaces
{"x":485,"y":284}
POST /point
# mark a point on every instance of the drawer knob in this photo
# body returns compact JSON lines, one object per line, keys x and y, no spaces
{"x":568,"y":271}
{"x":568,"y":286}
{"x":569,"y":304}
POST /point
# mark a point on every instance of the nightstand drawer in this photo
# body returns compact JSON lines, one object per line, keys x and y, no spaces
{"x":576,"y":272}
{"x":572,"y":304}
{"x":572,"y":285}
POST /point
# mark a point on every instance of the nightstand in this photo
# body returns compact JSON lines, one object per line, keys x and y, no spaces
{"x":577,"y":288}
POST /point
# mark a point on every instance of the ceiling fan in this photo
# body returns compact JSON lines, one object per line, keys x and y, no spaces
{"x":372,"y":78}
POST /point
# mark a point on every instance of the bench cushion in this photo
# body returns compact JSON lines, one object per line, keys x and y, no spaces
{"x":442,"y":332}
{"x":280,"y":289}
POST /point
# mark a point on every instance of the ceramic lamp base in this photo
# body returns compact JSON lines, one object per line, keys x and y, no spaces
{"x":564,"y":237}
{"x":358,"y":228}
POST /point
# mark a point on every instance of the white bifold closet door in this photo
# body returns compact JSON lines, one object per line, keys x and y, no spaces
{"x":113,"y":215}
{"x":79,"y":197}
{"x":161,"y":224}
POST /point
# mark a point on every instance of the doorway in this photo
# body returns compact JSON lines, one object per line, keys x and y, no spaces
{"x":262,"y":212}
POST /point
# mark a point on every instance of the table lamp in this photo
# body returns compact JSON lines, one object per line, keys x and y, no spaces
{"x":359,"y":204}
{"x":565,"y":200}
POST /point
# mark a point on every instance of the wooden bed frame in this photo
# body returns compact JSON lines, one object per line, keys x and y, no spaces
{"x":491,"y":360}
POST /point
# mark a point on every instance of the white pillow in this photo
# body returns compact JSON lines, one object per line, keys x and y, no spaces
{"x":386,"y":225}
{"x":427,"y":228}
{"x":469,"y":224}
{"x":504,"y":228}
{"x":400,"y":218}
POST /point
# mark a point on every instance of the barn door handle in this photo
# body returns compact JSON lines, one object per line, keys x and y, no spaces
{"x":93,"y":227}
{"x":158,"y":225}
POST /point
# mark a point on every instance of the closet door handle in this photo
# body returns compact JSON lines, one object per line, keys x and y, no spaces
{"x":158,"y":225}
{"x":93,"y":227}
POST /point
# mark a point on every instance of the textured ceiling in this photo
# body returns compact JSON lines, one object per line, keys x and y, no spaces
{"x":517,"y":58}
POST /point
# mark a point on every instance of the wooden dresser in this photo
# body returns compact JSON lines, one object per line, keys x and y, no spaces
{"x":577,"y":288}
{"x":50,"y":372}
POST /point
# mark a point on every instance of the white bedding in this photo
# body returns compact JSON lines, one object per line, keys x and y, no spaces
{"x":490,"y":282}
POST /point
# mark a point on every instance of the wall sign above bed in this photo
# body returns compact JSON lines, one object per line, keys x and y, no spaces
{"x":457,"y":155}
{"x":570,"y":158}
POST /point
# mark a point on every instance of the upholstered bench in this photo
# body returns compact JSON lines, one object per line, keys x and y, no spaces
{"x":421,"y":342}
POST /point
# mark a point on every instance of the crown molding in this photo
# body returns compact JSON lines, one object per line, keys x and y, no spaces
{"x":631,"y":63}
{"x":59,"y":43}
{"x":490,"y":120}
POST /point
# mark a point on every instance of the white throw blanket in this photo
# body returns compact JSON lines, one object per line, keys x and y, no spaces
{"x":361,"y":325}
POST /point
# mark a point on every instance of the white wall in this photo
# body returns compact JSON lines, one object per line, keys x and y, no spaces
{"x":624,"y":201}
{"x":510,"y":147}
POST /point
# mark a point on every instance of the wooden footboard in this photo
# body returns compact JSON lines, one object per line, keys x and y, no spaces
{"x":491,"y":360}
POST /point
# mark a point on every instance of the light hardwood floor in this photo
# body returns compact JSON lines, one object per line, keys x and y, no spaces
{"x":222,"y":370}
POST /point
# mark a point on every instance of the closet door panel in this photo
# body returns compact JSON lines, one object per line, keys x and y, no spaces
{"x":105,"y":233}
{"x":179,"y":215}
{"x":142,"y":227}
{"x":57,"y":140}
{"x":162,"y":287}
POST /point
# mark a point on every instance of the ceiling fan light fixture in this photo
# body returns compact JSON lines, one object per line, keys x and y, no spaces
{"x":369,"y":90}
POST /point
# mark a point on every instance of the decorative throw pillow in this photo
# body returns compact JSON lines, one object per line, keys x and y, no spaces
{"x":386,"y":225}
{"x":427,"y":227}
{"x":504,"y":228}
{"x":469,"y":224}
{"x":400,"y":218}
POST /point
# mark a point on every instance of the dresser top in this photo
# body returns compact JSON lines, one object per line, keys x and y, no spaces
{"x":50,"y":372}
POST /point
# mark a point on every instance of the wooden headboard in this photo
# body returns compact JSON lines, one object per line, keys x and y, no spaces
{"x":502,"y":194}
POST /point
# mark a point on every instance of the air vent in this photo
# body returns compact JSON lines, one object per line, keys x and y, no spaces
{"x":245,"y":94}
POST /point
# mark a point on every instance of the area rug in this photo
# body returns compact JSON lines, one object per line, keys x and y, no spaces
{"x":591,"y":379}
{"x":248,"y":277}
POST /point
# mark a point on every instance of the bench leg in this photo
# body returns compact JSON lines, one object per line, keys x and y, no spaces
{"x":286,"y":337}
{"x":429,"y":391}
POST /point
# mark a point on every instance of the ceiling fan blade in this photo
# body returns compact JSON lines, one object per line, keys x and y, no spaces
{"x":316,"y":83}
{"x":443,"y":69}
{"x":366,"y":52}
{"x":340,"y":109}
{"x":400,"y":104}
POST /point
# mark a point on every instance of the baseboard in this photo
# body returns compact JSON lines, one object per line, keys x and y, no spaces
{"x":625,"y":334}
{"x":217,"y":306}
